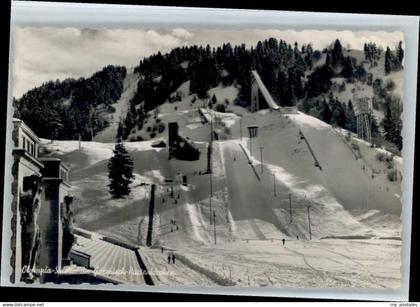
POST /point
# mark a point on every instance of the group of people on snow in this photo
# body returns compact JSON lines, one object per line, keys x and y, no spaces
{"x":171,"y":257}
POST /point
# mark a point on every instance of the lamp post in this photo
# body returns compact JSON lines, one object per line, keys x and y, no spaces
{"x":211,"y":194}
{"x":253,"y":132}
{"x":240,"y":128}
{"x":274,"y":184}
{"x":290,"y":208}
{"x":209,"y":151}
{"x":151,"y":215}
{"x":209,"y":164}
{"x":261,"y":153}
{"x":309,"y":222}
{"x":214,"y":226}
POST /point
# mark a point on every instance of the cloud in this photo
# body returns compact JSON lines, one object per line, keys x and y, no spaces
{"x":43,"y":54}
{"x":182,"y":33}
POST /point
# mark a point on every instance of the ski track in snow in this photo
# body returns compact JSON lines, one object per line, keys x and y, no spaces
{"x":316,"y":272}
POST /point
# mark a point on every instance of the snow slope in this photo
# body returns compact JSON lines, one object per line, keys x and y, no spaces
{"x":304,"y":264}
{"x":287,"y":159}
{"x":340,"y":177}
{"x":185,"y":112}
{"x":253,"y":209}
{"x":246,"y":207}
{"x":109,"y":134}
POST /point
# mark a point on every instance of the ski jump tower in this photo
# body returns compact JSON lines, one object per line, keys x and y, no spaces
{"x":257,"y":86}
{"x":363,"y":114}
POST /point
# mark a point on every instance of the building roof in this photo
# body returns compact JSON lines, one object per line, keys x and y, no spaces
{"x":50,"y":159}
{"x":110,"y":260}
{"x":19,"y":122}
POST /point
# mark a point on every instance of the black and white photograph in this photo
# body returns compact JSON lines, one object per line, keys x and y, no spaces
{"x":176,"y":156}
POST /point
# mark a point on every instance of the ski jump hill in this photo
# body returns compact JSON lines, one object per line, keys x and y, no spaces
{"x":328,"y":149}
{"x":245,"y":208}
{"x":257,"y":85}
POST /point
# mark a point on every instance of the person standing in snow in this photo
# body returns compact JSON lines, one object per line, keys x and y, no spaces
{"x":284,"y":241}
{"x":169,"y":258}
{"x":173,"y":258}
{"x":161,"y":249}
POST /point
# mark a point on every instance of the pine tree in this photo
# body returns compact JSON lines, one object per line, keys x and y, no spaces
{"x":305,"y":106}
{"x":141,"y":117}
{"x":120,"y":130}
{"x":351,"y":124}
{"x":319,"y":81}
{"x":130,"y":120}
{"x":388,"y":124}
{"x":400,"y":54}
{"x":283,"y":87}
{"x":336,"y":53}
{"x":366,"y":51}
{"x":120,"y":171}
{"x":328,"y":59}
{"x":348,"y":68}
{"x":338,"y":116}
{"x":295,"y":82}
{"x":388,"y":60}
{"x":314,"y":111}
{"x":360,"y":73}
{"x":324,"y":111}
{"x":374,"y":128}
{"x":309,"y":55}
{"x":213,"y":99}
{"x":397,"y":138}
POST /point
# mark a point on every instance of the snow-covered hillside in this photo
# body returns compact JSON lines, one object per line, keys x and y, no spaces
{"x":332,"y":193}
{"x":250,"y":204}
{"x":300,"y":179}
{"x":355,"y":90}
{"x":183,"y":111}
{"x":247,"y":209}
{"x":109,"y":134}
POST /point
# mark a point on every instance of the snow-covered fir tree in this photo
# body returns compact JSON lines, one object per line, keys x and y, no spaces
{"x":120,"y":171}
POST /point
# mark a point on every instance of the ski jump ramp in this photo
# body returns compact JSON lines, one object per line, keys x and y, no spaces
{"x":258,"y":86}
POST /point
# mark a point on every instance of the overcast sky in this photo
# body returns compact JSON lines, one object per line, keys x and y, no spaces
{"x":43,"y":54}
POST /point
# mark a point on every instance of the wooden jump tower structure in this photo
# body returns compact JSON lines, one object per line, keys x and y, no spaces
{"x":363,"y":116}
